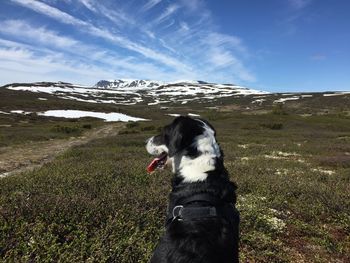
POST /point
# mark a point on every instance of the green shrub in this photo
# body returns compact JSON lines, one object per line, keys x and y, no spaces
{"x":128,"y":132}
{"x":272,"y":126}
{"x":148,"y":128}
{"x":132,"y":124}
{"x":87,"y":126}
{"x":65,"y":129}
{"x":250,"y":126}
{"x":278,"y":109}
{"x":335,"y":161}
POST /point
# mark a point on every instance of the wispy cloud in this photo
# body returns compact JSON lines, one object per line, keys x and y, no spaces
{"x":150,"y":4}
{"x":228,"y":41}
{"x":223,"y":51}
{"x":171,"y":9}
{"x":50,"y":11}
{"x":103,"y":33}
{"x":299,"y":4}
{"x":184,"y":27}
{"x":296,"y":11}
{"x":221,"y":58}
{"x":193,"y":5}
{"x":88,"y":4}
{"x":116,"y":16}
{"x":175,"y":45}
{"x":21,"y":64}
{"x":41,"y":35}
{"x":26,"y":63}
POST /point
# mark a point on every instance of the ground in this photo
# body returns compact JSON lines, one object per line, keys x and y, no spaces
{"x":28,"y":156}
{"x":94,"y":202}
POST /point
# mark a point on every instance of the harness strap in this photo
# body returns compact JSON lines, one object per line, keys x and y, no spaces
{"x":200,"y":198}
{"x":192,"y":208}
{"x":189,"y":213}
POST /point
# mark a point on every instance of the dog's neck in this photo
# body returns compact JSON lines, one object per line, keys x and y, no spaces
{"x":195,"y":169}
{"x":217,"y":184}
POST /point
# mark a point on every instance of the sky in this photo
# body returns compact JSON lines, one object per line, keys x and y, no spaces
{"x":272,"y":45}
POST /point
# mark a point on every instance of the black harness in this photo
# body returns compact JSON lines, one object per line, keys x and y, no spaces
{"x":202,"y":206}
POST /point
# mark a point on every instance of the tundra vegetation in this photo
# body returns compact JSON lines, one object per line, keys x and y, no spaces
{"x":96,"y":203}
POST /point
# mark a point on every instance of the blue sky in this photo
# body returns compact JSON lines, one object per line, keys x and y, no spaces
{"x":273,"y":45}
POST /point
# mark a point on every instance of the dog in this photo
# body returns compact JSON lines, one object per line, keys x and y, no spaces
{"x":202,"y":223}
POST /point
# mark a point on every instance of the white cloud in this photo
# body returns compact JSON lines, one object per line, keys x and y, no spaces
{"x":184,"y":27}
{"x":194,"y":49}
{"x":23,"y":30}
{"x":24,"y":65}
{"x":116,"y":16}
{"x":217,"y":39}
{"x":88,"y":4}
{"x":192,"y":5}
{"x":50,"y":11}
{"x":171,"y":9}
{"x":150,"y":4}
{"x":222,"y":54}
{"x":95,"y":31}
{"x":220,"y":58}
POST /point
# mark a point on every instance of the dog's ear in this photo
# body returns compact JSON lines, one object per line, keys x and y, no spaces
{"x":181,"y":133}
{"x":173,"y":137}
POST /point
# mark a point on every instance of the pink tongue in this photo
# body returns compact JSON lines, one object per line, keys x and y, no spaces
{"x":153,"y":165}
{"x":156,"y":162}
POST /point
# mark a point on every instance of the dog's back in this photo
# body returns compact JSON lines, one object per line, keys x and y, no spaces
{"x":207,"y":241}
{"x":197,"y":236}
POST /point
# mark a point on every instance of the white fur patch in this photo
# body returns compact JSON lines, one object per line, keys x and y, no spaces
{"x":155,"y":149}
{"x":194,"y":170}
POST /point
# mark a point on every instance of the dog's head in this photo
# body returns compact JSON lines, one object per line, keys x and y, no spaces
{"x":189,"y":146}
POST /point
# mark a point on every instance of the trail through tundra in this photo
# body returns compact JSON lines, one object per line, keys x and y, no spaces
{"x":15,"y":159}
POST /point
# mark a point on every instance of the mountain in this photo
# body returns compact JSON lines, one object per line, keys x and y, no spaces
{"x":130,"y":92}
{"x":127,"y":83}
{"x":151,"y":92}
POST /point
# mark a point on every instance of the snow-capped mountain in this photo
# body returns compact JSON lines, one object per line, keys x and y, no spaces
{"x":150,"y":92}
{"x":129,"y":92}
{"x":127,"y":84}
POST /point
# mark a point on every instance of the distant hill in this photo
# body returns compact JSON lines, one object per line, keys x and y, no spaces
{"x":128,"y":92}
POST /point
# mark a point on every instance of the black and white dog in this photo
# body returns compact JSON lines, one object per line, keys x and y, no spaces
{"x":202,"y":222}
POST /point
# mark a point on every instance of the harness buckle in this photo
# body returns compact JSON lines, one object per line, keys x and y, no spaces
{"x":177,"y":211}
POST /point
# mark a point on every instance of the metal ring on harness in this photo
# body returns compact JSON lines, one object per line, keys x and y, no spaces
{"x":177,"y":211}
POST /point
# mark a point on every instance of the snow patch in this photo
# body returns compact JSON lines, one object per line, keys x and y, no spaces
{"x":282,"y":100}
{"x":336,"y":94}
{"x":79,"y":114}
{"x":193,"y":115}
{"x":258,"y":101}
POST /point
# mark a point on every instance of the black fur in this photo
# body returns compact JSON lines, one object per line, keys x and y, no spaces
{"x":204,"y":239}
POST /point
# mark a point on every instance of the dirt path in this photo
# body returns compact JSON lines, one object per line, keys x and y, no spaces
{"x":32,"y":155}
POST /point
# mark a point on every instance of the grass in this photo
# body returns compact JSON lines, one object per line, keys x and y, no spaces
{"x":16,"y":129}
{"x":95,"y":203}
